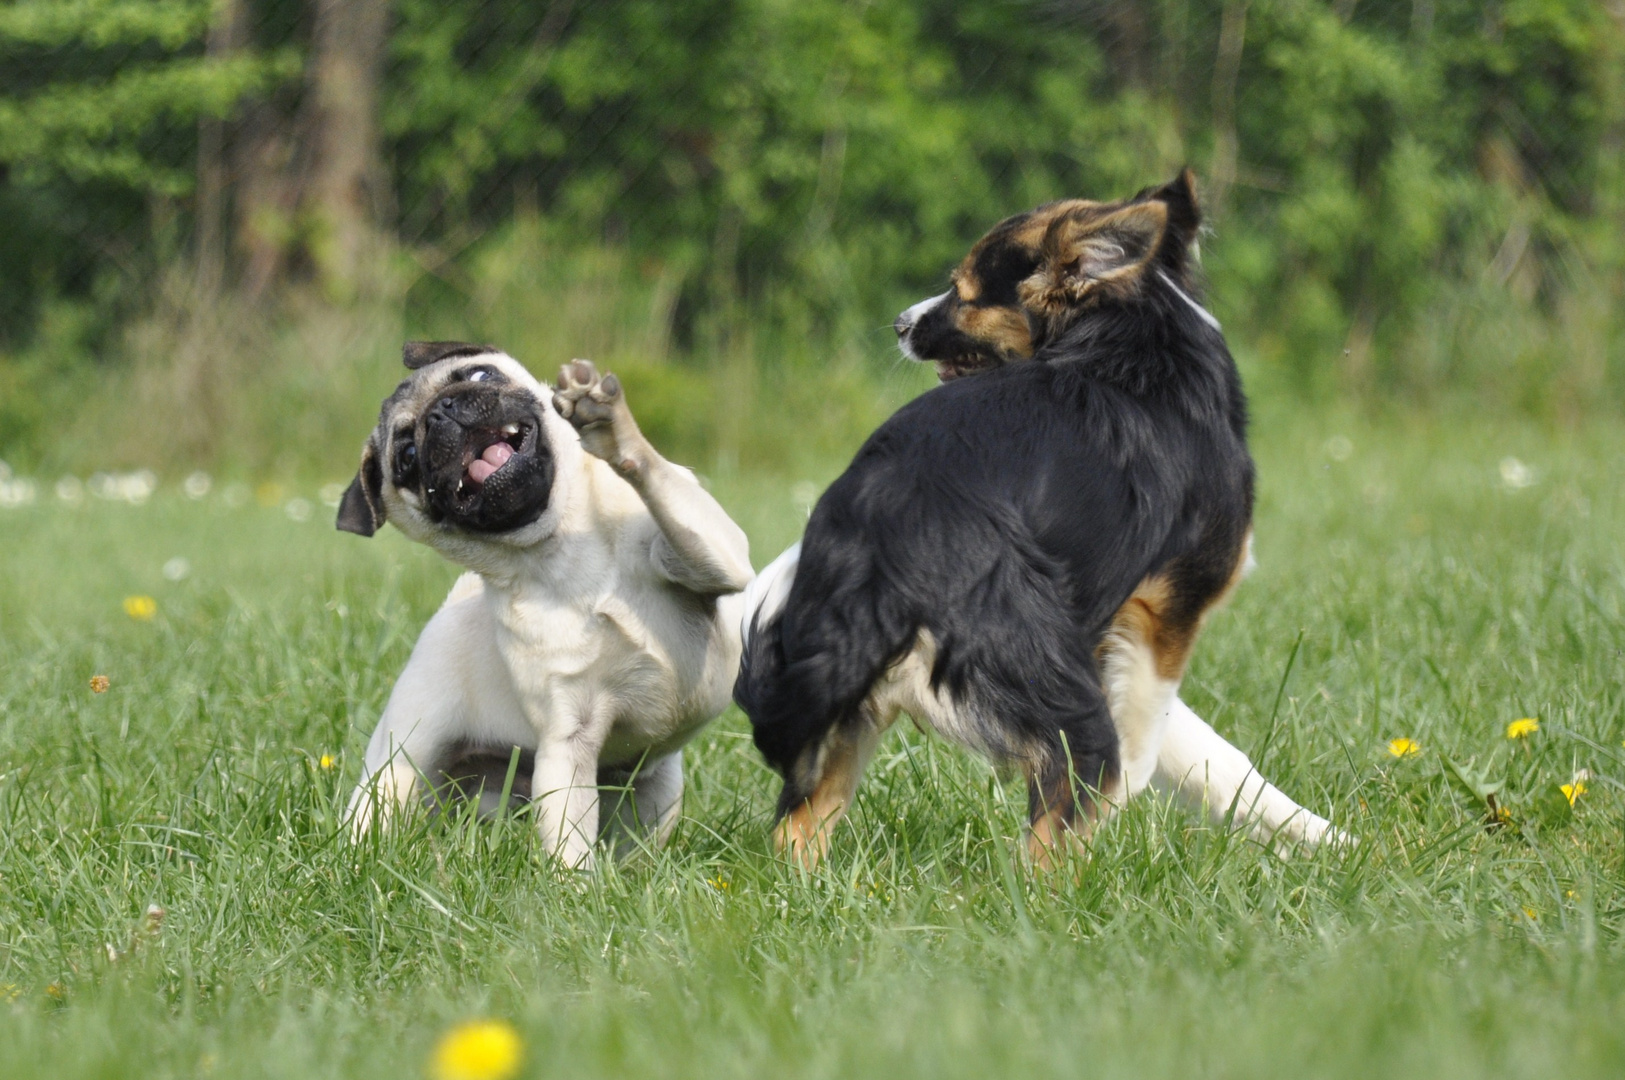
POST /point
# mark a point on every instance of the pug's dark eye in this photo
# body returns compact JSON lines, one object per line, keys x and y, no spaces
{"x":478,"y":376}
{"x":406,"y":464}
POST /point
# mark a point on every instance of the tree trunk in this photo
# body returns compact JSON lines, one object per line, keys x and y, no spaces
{"x":1226,"y":72}
{"x":1129,"y":42}
{"x":343,"y":190}
{"x":228,"y":34}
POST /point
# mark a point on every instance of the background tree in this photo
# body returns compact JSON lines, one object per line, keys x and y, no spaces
{"x":1376,"y":169}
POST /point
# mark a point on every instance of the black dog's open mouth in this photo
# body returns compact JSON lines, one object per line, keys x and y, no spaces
{"x":948,"y":370}
{"x":488,"y":452}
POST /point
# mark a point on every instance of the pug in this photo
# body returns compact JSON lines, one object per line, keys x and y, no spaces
{"x":597,"y":629}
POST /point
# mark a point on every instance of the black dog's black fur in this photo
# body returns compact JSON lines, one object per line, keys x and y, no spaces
{"x":1011,"y":515}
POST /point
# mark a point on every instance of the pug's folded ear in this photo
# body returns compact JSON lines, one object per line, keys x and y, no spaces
{"x":361,"y":511}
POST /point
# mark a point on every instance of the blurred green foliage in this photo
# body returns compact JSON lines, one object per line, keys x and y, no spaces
{"x":1408,"y":197}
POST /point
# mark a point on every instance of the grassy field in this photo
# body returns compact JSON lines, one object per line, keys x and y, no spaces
{"x":1424,"y":581}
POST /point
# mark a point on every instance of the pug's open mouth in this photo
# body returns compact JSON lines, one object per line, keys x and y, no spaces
{"x":488,"y":452}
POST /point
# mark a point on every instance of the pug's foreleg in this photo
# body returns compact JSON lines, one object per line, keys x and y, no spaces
{"x":564,"y":789}
{"x":700,"y":547}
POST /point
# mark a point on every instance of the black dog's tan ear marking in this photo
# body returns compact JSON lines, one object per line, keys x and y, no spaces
{"x":1109,"y":248}
{"x":361,"y":511}
{"x":1084,"y":253}
{"x":416,"y":354}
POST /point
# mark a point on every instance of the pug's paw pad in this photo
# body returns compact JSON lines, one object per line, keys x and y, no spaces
{"x":596,"y":407}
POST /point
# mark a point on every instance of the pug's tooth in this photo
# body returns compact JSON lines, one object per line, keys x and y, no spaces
{"x":510,"y":429}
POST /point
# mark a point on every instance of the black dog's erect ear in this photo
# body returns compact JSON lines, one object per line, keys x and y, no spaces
{"x":361,"y":511}
{"x":416,"y":354}
{"x":1184,"y":211}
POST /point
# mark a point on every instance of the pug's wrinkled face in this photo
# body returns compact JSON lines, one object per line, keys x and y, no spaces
{"x":460,"y":446}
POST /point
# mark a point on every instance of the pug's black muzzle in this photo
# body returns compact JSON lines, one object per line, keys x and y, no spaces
{"x":485,"y":465}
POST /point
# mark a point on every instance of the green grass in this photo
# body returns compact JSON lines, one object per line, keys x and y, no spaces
{"x":1422,"y":597}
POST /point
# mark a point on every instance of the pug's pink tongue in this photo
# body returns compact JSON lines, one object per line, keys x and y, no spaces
{"x":496,"y":455}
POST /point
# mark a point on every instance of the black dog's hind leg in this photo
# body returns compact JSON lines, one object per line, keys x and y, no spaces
{"x":1072,"y":779}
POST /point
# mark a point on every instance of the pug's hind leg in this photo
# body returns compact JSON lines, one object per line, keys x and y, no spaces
{"x":404,"y":770}
{"x":658,"y":795}
{"x":381,"y":795}
{"x":640,"y":808}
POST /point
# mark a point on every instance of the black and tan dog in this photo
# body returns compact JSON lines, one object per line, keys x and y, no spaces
{"x":1022,"y":560}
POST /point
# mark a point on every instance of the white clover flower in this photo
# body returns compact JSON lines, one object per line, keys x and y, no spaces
{"x":17,"y":493}
{"x":137,"y":487}
{"x":1515,"y":474}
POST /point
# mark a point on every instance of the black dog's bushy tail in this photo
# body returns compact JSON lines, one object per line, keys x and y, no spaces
{"x":761,"y":663}
{"x":809,"y":660}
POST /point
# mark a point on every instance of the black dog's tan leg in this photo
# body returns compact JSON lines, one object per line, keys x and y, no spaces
{"x":1074,"y":782}
{"x":702,"y":548}
{"x":1065,"y":805}
{"x":805,"y":826}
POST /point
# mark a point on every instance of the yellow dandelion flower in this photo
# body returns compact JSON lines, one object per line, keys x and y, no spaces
{"x":1403,"y":748}
{"x":10,"y":992}
{"x":1522,"y":729}
{"x":99,"y":684}
{"x":719,"y":883}
{"x":1530,"y":912}
{"x":140,"y":608}
{"x":478,"y":1050}
{"x":328,"y":761}
{"x":1573,"y":791}
{"x":55,"y":992}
